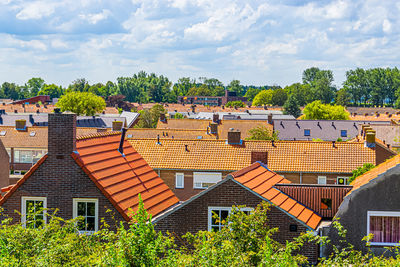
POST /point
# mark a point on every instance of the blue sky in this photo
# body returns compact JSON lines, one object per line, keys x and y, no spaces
{"x":258,"y":42}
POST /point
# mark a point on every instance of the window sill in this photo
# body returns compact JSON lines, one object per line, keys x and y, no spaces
{"x":376,"y":244}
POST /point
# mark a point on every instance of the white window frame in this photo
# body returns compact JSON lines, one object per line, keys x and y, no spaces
{"x":381,"y":214}
{"x":195,"y":186}
{"x":322,"y":177}
{"x":179,"y":174}
{"x":229,"y":209}
{"x":23,"y":208}
{"x":342,"y":177}
{"x":96,"y":212}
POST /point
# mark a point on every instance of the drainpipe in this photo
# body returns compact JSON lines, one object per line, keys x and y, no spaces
{"x":301,"y":178}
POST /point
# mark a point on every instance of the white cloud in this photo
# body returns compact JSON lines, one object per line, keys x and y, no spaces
{"x":386,"y":26}
{"x":36,"y":10}
{"x":94,"y":18}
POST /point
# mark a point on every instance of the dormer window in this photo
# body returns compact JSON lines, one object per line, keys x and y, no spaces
{"x":343,"y":133}
{"x":307,"y":132}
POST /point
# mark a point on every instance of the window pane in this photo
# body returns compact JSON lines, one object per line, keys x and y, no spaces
{"x":224,"y":214}
{"x":91,"y":209}
{"x":214,"y":217}
{"x":81,"y":208}
{"x":215,"y":228}
{"x":90,"y":224}
{"x":385,"y":229}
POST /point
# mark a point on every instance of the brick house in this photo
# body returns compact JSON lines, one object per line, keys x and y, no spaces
{"x":4,"y":166}
{"x":189,"y":166}
{"x":249,"y":186}
{"x":86,"y":177}
{"x":371,"y":207}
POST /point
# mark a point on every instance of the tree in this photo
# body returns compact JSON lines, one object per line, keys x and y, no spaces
{"x":262,"y":133}
{"x":34,"y":85}
{"x":279,"y":97}
{"x":343,"y":97}
{"x":310,"y":75}
{"x":203,"y":90}
{"x":360,"y":171}
{"x":235,"y":86}
{"x":357,"y":85}
{"x":81,"y":103}
{"x":251,"y":93}
{"x":321,"y":83}
{"x":263,"y":98}
{"x":10,"y":90}
{"x":232,"y":104}
{"x":301,"y":92}
{"x":318,"y":111}
{"x":79,"y":85}
{"x":149,"y":118}
{"x":52,"y":90}
{"x":291,"y":107}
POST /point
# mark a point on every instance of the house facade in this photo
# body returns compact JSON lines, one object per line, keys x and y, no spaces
{"x":249,"y":187}
{"x":85,"y":177}
{"x":4,"y":166}
{"x":371,"y":207}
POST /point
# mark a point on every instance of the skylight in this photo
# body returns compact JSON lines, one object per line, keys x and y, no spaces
{"x":32,"y":134}
{"x":3,"y":133}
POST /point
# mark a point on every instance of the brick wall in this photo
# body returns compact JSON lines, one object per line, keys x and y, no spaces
{"x":188,"y":191}
{"x":193,"y":217}
{"x":4,"y":166}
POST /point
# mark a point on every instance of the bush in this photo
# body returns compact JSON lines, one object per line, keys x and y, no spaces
{"x":360,"y":171}
{"x":262,"y":133}
{"x":232,"y":104}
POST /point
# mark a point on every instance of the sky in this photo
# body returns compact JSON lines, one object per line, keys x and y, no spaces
{"x":266,"y":42}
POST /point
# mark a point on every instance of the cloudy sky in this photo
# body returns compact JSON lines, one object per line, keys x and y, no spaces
{"x":258,"y":42}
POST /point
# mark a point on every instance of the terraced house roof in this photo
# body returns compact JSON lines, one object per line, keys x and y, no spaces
{"x":169,"y":133}
{"x":122,"y":178}
{"x":283,"y":156}
{"x":261,"y":180}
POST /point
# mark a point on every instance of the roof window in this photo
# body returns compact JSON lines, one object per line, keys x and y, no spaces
{"x":3,"y":133}
{"x":129,"y":135}
{"x":307,"y":132}
{"x":32,"y":134}
{"x":343,"y":133}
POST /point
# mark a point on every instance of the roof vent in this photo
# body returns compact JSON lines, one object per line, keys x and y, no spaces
{"x":186,"y":148}
{"x":158,"y":140}
{"x":3,"y":133}
{"x":319,"y":125}
{"x":333,"y":125}
{"x":297,"y":124}
{"x":121,"y":142}
{"x":273,"y":143}
{"x":333,"y":143}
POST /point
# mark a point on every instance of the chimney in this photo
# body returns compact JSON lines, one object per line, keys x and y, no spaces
{"x":215,"y":118}
{"x":260,"y":156}
{"x":270,"y":118}
{"x":116,"y":125}
{"x":31,"y":120}
{"x":20,"y":125}
{"x":214,"y":127}
{"x":101,"y":130}
{"x":370,"y":138}
{"x":121,"y":142}
{"x":163,"y":117}
{"x":62,"y":134}
{"x":234,"y":137}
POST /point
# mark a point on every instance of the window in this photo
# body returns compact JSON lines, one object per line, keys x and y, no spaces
{"x":203,"y":180}
{"x":33,"y":211}
{"x":307,"y":132}
{"x":343,"y":133}
{"x":293,"y":228}
{"x":321,"y":179}
{"x":88,"y":209}
{"x":342,"y":180}
{"x":385,"y":226}
{"x":326,"y":203}
{"x":179,"y":180}
{"x":27,"y":156}
{"x":216,"y":223}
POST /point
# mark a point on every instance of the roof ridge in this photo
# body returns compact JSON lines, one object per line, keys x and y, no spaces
{"x":97,"y":135}
{"x":238,"y":173}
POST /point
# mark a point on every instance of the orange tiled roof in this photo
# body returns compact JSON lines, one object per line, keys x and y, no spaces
{"x":375,"y":172}
{"x":243,"y":125}
{"x":283,"y":156}
{"x":261,"y":180}
{"x":122,"y":178}
{"x":32,"y":108}
{"x":169,"y":133}
{"x":23,"y":139}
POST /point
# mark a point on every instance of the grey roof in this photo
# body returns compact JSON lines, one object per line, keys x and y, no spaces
{"x":390,"y":134}
{"x":42,"y":120}
{"x":327,"y":130}
{"x":251,"y":115}
{"x":130,"y":117}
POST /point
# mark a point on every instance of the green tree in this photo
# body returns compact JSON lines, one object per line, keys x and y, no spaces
{"x":318,"y":111}
{"x":251,"y":93}
{"x":321,"y":83}
{"x":301,"y":92}
{"x":149,"y":118}
{"x":235,"y":86}
{"x":11,"y":90}
{"x":360,"y":171}
{"x":262,"y":133}
{"x":34,"y":85}
{"x":263,"y":98}
{"x":79,"y":85}
{"x":183,"y":85}
{"x":202,"y":90}
{"x":310,"y":75}
{"x":343,"y":97}
{"x":52,"y":90}
{"x":357,"y":85}
{"x":81,"y":103}
{"x":291,"y":107}
{"x":279,"y":97}
{"x":238,"y":104}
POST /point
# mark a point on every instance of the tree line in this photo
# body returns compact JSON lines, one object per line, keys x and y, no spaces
{"x":362,"y":87}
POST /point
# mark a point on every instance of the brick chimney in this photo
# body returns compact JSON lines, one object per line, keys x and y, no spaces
{"x":216,"y":118}
{"x":62,"y":134}
{"x":116,"y":125}
{"x":163,"y":117}
{"x":370,"y":138}
{"x":20,"y":125}
{"x":234,"y":137}
{"x":214,"y":128}
{"x":270,"y":121}
{"x":261,"y":156}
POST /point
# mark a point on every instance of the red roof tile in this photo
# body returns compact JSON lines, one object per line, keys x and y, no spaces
{"x":122,"y":178}
{"x":259,"y":179}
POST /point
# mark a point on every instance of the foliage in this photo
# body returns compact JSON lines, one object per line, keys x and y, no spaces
{"x":318,"y":111}
{"x":238,"y":104}
{"x":178,"y":116}
{"x":149,"y":118}
{"x":262,"y":133}
{"x":52,"y":90}
{"x":291,"y":107}
{"x":263,"y":98}
{"x":360,"y":171}
{"x":343,"y":97}
{"x":81,"y":103}
{"x":251,"y":93}
{"x":279,"y":97}
{"x":302,"y":93}
{"x":234,"y":86}
{"x":320,"y":82}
